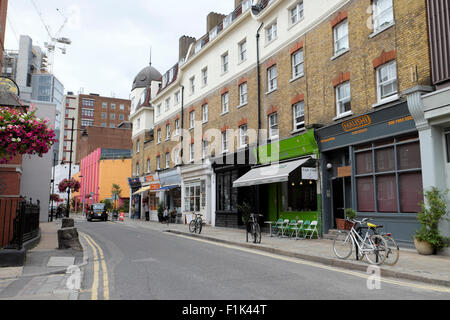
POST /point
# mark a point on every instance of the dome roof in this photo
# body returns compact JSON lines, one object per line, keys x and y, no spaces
{"x":145,"y":77}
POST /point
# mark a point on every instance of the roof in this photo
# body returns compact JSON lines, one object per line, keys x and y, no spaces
{"x":145,"y":77}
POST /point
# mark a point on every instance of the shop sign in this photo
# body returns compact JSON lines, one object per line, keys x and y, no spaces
{"x":344,"y":172}
{"x":357,"y":123}
{"x":310,"y":174}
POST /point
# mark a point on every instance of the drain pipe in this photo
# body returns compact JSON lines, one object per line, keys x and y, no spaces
{"x":258,"y":71}
{"x":182,"y":125}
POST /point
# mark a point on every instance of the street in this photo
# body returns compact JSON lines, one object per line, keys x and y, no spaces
{"x":134,"y":263}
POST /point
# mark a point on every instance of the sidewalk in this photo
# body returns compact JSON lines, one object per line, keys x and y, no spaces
{"x":45,"y":273}
{"x":411,"y":266}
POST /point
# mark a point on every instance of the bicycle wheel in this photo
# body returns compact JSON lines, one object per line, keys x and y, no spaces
{"x":343,"y":245}
{"x":393,"y":253}
{"x":199,"y":226}
{"x":193,"y":226}
{"x":377,"y":249}
{"x":256,"y":233}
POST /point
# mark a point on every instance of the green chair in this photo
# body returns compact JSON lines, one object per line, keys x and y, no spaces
{"x":276,"y":226}
{"x":292,"y":228}
{"x":305,"y":226}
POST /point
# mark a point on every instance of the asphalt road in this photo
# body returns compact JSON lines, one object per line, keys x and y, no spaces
{"x":133,"y":263}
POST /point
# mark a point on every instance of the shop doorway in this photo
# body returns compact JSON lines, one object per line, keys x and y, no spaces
{"x":342,"y":198}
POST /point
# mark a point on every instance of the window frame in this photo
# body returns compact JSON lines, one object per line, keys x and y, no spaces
{"x":225,"y":62}
{"x":272,"y":32}
{"x":205,"y":77}
{"x":191,"y":120}
{"x":294,"y":65}
{"x":294,"y":116}
{"x":337,"y":40}
{"x":242,"y":50}
{"x":205,"y":115}
{"x":225,"y":141}
{"x":243,"y":102}
{"x":340,"y":101}
{"x":272,"y":125}
{"x":225,"y":103}
{"x":272,"y":80}
{"x":300,"y":13}
{"x":377,"y":27}
{"x":243,"y":136}
{"x":389,"y":81}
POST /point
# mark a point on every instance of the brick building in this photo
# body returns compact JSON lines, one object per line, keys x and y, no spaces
{"x":320,"y":81}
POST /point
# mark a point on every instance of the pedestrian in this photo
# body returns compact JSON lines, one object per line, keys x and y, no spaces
{"x":147,"y":211}
{"x":166,"y":215}
{"x":58,"y":212}
{"x":133,"y":208}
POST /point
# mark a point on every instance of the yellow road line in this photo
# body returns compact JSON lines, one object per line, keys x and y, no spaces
{"x":317,"y":265}
{"x":95,"y":282}
{"x":104,"y":269}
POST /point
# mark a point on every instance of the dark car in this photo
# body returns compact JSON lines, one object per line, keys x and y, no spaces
{"x":97,"y":212}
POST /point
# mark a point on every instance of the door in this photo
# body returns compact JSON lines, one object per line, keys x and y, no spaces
{"x":338,"y":186}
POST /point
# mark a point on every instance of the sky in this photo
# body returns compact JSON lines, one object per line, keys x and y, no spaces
{"x":111,"y":39}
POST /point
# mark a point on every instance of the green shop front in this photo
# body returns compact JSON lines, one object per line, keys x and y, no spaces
{"x":286,"y":179}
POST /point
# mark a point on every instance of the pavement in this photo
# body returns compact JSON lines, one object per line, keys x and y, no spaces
{"x":49,"y":273}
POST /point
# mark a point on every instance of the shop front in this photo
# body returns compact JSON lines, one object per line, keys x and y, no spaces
{"x":372,"y":164}
{"x":197,"y":185}
{"x":135,"y":196}
{"x":148,"y":196}
{"x":287,"y":179}
{"x":169,"y":193}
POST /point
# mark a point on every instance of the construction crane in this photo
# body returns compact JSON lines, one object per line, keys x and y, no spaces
{"x":54,"y":39}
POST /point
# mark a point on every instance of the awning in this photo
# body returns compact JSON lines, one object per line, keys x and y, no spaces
{"x":167,"y":188}
{"x":142,"y":190}
{"x":269,"y":174}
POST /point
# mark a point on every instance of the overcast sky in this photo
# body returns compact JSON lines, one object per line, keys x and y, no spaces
{"x":111,"y":39}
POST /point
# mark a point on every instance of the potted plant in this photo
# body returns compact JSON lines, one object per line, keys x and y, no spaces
{"x":345,"y":224}
{"x":160,"y":212}
{"x":428,"y":239}
{"x":245,"y":210}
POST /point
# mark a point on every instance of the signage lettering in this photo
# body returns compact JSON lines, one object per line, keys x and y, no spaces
{"x":357,"y":123}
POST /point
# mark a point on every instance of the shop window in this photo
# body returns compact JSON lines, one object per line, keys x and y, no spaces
{"x":395,"y":182}
{"x":301,"y":195}
{"x":195,"y":197}
{"x":227,"y":196}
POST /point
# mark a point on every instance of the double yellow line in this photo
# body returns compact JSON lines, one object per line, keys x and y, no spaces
{"x":99,"y":258}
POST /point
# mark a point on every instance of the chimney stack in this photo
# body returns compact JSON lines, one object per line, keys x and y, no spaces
{"x":185,"y":42}
{"x":213,"y":20}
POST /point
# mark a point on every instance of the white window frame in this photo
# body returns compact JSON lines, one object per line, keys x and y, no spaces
{"x":225,"y":103}
{"x":271,"y":32}
{"x":243,"y":94}
{"x":273,"y":126}
{"x":158,"y":110}
{"x":192,"y":120}
{"x":148,"y":166}
{"x":242,"y":50}
{"x":159,"y":136}
{"x":225,"y":141}
{"x":393,"y":95}
{"x":167,"y":104}
{"x":377,"y":14}
{"x":225,"y":62}
{"x":296,"y":11}
{"x":167,"y":132}
{"x":205,"y":113}
{"x":167,"y":160}
{"x":137,"y":169}
{"x":138,"y":146}
{"x":191,"y":152}
{"x":204,"y":148}
{"x":158,"y":163}
{"x":205,"y":76}
{"x":243,"y":136}
{"x":177,"y":127}
{"x":272,"y":82}
{"x":177,"y":98}
{"x":192,"y":84}
{"x":298,"y":64}
{"x":298,"y":110}
{"x":343,"y":38}
{"x":342,"y":100}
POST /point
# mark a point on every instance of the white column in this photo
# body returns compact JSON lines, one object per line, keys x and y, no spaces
{"x":213,"y":199}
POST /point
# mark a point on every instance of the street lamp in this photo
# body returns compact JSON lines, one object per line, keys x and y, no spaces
{"x":53,"y":185}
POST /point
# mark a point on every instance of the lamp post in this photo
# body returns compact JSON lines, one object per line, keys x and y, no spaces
{"x":53,"y":185}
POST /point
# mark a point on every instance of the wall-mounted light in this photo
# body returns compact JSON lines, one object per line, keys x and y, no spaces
{"x":329,"y":166}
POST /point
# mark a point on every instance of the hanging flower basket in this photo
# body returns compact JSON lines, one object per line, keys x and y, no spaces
{"x":71,"y":184}
{"x":54,"y":197}
{"x":23,"y":133}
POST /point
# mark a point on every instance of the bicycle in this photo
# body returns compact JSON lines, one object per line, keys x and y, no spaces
{"x":255,"y":229}
{"x":393,"y":250}
{"x":196,"y":224}
{"x":373,"y":247}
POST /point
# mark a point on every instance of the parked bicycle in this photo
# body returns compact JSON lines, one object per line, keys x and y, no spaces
{"x":373,"y":246}
{"x":196,"y":224}
{"x":254,"y":227}
{"x":393,"y":250}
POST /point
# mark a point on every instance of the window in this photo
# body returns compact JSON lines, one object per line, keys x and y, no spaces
{"x":177,"y":98}
{"x":243,"y":98}
{"x":167,"y":104}
{"x":87,"y":123}
{"x":297,"y":64}
{"x":299,"y":116}
{"x":205,"y":76}
{"x":87,"y":113}
{"x":105,"y":105}
{"x":149,"y":169}
{"x":158,"y":163}
{"x":137,"y":168}
{"x":138,"y":123}
{"x":177,"y":127}
{"x":195,"y":197}
{"x":204,"y":149}
{"x":168,"y":132}
{"x":192,"y":120}
{"x":138,"y":146}
{"x":272,"y":78}
{"x":271,"y":32}
{"x":225,"y":63}
{"x":167,"y":160}
{"x":112,"y":125}
{"x":393,"y":183}
{"x":191,"y":152}
{"x":112,"y":116}
{"x":227,"y":196}
{"x":192,"y":85}
{"x":177,"y":157}
{"x":273,"y":126}
{"x":113,"y":106}
{"x":88,"y":102}
{"x":159,"y":136}
{"x":387,"y":80}
{"x":121,"y":117}
{"x":122,"y":107}
{"x":158,"y":110}
{"x":225,"y":103}
{"x":205,"y":113}
{"x":296,"y":13}
{"x":242,"y":51}
{"x":383,"y":14}
{"x":224,"y":142}
{"x":341,"y":37}
{"x":343,"y":99}
{"x":104,"y":115}
{"x":104,"y":125}
{"x":243,"y":138}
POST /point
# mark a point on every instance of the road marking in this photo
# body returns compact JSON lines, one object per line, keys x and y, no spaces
{"x":97,"y":261}
{"x":317,"y":265}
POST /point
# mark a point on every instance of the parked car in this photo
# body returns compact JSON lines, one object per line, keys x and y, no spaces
{"x":97,"y":212}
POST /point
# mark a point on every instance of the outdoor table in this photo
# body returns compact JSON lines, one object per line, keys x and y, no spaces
{"x":269,"y":223}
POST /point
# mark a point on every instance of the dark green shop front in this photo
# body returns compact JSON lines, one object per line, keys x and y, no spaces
{"x":286,"y":179}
